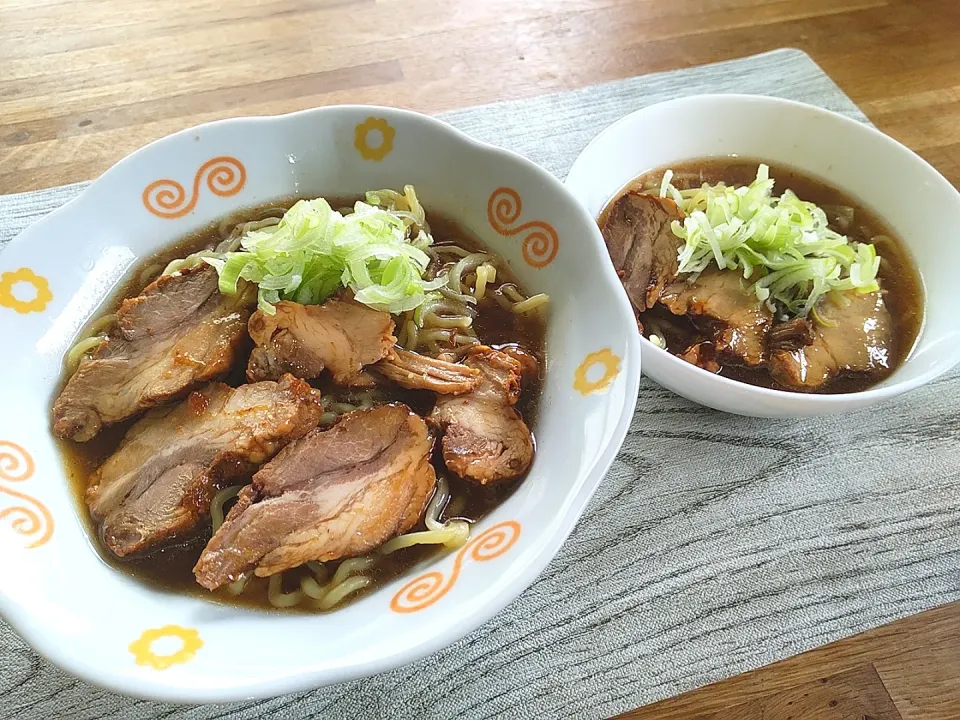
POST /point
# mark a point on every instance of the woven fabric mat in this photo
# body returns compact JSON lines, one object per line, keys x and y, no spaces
{"x":715,"y":545}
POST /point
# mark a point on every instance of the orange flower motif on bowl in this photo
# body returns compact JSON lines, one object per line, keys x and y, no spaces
{"x":603,"y":361}
{"x":144,"y":653}
{"x":24,"y":276}
{"x":362,"y":138}
{"x":424,"y":590}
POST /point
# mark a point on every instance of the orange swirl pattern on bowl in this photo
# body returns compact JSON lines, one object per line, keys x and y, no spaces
{"x":31,"y":518}
{"x":166,"y":198}
{"x":541,"y":243}
{"x":424,"y":590}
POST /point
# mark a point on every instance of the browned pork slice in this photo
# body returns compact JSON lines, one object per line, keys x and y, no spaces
{"x":484,"y":437}
{"x":340,"y":336}
{"x":333,"y":494}
{"x":702,"y":354}
{"x":855,"y":337}
{"x":418,"y":372}
{"x":722,"y":304}
{"x":529,"y":365}
{"x":642,"y":246}
{"x":159,"y":482}
{"x":178,"y":333}
{"x":790,"y":335}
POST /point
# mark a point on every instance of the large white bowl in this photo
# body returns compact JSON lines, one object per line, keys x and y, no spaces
{"x":918,"y":203}
{"x":112,"y":630}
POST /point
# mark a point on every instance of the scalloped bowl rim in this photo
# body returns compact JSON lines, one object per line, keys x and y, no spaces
{"x":806,"y":404}
{"x":551,"y":537}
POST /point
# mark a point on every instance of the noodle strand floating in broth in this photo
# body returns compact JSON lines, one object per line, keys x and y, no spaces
{"x":472,"y":299}
{"x":223,"y":496}
{"x":352,"y":575}
{"x":84,"y":347}
{"x":766,"y":275}
{"x":531,"y":303}
{"x":280,"y":599}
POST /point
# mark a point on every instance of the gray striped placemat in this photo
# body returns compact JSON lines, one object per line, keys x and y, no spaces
{"x":715,"y":545}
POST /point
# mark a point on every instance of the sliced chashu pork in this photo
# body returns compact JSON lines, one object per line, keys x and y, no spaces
{"x":529,"y":365}
{"x":855,"y":337}
{"x":333,"y":494}
{"x":159,"y":482}
{"x":341,"y":336}
{"x":347,"y":339}
{"x":178,"y":333}
{"x":790,"y":335}
{"x":703,"y":355}
{"x":484,"y":437}
{"x":720,"y":303}
{"x":418,"y":372}
{"x":641,"y":244}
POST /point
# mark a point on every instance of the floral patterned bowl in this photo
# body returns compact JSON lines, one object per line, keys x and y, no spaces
{"x":918,"y":203}
{"x":108,"y":628}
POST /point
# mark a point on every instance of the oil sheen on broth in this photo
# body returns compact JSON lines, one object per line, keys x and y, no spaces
{"x":898,"y":275}
{"x":171,"y":568}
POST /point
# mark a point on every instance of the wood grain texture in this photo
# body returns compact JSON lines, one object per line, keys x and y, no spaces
{"x":851,"y":695}
{"x":83,"y":84}
{"x":909,"y":669}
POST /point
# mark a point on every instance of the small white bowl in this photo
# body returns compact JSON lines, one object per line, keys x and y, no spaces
{"x":918,"y":203}
{"x":110,"y":629}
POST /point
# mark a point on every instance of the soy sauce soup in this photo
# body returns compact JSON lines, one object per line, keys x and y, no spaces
{"x":170,"y":568}
{"x":899,"y":279}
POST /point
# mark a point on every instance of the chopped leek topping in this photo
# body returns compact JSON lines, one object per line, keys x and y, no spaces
{"x":781,"y":243}
{"x":377,"y":251}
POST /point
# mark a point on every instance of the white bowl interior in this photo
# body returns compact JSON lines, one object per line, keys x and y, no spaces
{"x":917,"y":203}
{"x":84,"y":615}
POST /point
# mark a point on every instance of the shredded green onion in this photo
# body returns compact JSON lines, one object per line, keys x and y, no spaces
{"x":781,"y":243}
{"x":377,"y":251}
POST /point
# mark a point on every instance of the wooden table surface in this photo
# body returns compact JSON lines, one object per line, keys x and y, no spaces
{"x":84,"y":83}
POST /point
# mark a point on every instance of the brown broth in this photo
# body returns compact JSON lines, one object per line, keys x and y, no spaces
{"x":170,"y":568}
{"x":898,"y":275}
